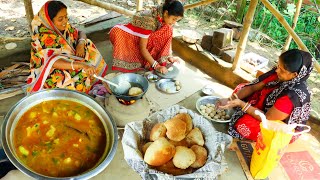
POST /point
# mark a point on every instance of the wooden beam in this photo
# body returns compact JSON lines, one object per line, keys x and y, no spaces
{"x":285,"y":24}
{"x":204,"y":2}
{"x":29,"y":12}
{"x":294,"y":23}
{"x":245,"y":33}
{"x":139,"y":5}
{"x":109,"y":6}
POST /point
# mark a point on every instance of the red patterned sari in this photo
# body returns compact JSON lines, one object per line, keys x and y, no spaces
{"x":125,"y":40}
{"x":49,"y":45}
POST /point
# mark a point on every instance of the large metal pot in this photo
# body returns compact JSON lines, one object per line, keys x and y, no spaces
{"x":26,"y":103}
{"x":135,"y":80}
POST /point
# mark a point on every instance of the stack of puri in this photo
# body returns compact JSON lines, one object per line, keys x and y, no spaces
{"x":175,"y":147}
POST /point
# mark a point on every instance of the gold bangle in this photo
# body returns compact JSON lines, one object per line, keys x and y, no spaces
{"x":72,"y":65}
{"x":244,"y":106}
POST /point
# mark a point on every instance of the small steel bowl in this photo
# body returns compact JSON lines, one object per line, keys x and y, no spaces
{"x":153,"y":77}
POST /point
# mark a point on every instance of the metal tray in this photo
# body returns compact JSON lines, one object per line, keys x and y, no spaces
{"x":170,"y":74}
{"x":168,"y":86}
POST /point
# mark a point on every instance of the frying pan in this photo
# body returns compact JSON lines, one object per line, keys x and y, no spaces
{"x":135,"y":80}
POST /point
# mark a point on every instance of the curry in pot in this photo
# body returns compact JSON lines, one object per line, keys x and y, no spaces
{"x":59,"y":138}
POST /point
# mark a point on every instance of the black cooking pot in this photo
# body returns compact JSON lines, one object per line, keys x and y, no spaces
{"x":135,"y":80}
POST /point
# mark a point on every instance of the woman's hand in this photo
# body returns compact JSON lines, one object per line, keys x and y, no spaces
{"x":221,"y":102}
{"x":174,"y":59}
{"x":161,"y":69}
{"x":80,"y":49}
{"x":232,"y":104}
{"x":90,"y":70}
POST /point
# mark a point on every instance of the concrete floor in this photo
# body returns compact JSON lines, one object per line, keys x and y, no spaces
{"x":118,"y":168}
{"x":118,"y":165}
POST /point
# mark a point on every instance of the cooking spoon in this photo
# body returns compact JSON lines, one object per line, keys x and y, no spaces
{"x":120,"y":88}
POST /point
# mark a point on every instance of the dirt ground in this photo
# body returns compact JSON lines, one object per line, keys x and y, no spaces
{"x":13,"y":25}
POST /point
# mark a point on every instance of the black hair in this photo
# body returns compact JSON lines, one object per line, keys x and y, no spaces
{"x":54,"y":7}
{"x":174,"y":8}
{"x":293,"y":59}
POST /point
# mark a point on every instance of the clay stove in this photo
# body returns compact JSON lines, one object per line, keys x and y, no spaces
{"x":124,"y":112}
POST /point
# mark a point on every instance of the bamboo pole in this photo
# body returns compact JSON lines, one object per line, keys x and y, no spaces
{"x":204,"y":2}
{"x":109,"y":6}
{"x":139,"y":5}
{"x":285,"y":24}
{"x":294,"y":23}
{"x":29,"y":12}
{"x":159,"y":1}
{"x":245,"y":33}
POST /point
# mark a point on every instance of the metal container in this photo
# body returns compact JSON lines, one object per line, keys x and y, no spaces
{"x":15,"y":113}
{"x":135,"y":80}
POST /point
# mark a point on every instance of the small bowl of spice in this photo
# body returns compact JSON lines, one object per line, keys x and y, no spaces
{"x":152,"y":77}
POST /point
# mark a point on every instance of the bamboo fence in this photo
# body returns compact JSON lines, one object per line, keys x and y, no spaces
{"x":294,"y":23}
{"x":245,"y":33}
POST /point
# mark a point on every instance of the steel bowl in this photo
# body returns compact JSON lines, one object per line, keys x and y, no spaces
{"x":212,"y":100}
{"x":15,"y":113}
{"x":135,"y":80}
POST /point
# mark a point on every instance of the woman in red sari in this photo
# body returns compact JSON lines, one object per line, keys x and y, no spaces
{"x":281,"y":94}
{"x":145,"y":42}
{"x":61,"y":55}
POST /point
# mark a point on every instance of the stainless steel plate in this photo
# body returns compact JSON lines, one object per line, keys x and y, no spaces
{"x":170,"y":74}
{"x":168,"y":86}
{"x":152,"y":77}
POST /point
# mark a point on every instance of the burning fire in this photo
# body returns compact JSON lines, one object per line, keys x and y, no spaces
{"x":127,"y":103}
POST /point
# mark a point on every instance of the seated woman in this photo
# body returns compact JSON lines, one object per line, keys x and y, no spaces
{"x":281,"y":94}
{"x":145,"y":43}
{"x":61,"y":55}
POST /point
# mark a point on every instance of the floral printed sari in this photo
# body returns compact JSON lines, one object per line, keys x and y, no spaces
{"x":48,"y":46}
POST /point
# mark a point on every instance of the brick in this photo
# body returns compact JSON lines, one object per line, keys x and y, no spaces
{"x":228,"y":55}
{"x":206,"y":42}
{"x":222,"y":37}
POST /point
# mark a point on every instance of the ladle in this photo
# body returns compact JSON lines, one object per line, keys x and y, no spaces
{"x":120,"y":88}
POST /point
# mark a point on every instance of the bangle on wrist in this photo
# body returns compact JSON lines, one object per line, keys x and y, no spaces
{"x":154,"y":64}
{"x":82,"y":39}
{"x":72,"y":65}
{"x":245,"y":110}
{"x":244,"y":106}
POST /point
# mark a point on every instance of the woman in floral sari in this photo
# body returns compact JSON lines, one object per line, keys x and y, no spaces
{"x":145,"y":42}
{"x":61,"y":55}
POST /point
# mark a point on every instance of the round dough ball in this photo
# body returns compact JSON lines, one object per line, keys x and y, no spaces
{"x":208,"y":110}
{"x":203,"y":111}
{"x":170,"y":68}
{"x":178,"y":88}
{"x":134,"y":91}
{"x":177,"y":83}
{"x":223,"y":113}
{"x":202,"y":107}
{"x":227,"y":116}
{"x":183,"y":157}
{"x":208,"y":105}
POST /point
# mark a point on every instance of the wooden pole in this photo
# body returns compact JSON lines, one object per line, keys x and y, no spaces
{"x":29,"y":12}
{"x":285,"y":24}
{"x":245,"y":33}
{"x":294,"y":23}
{"x":159,"y":2}
{"x":109,"y":6}
{"x":204,"y":2}
{"x":139,"y":5}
